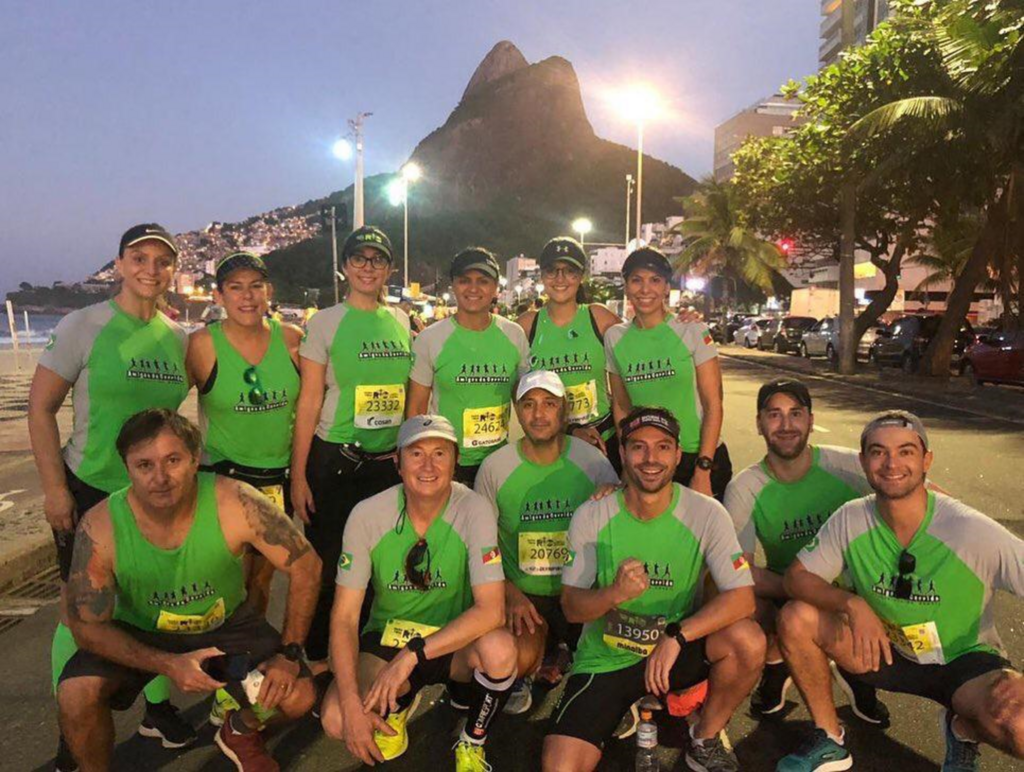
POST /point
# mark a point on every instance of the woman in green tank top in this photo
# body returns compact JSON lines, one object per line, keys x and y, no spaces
{"x":246,"y":371}
{"x":355,"y":362}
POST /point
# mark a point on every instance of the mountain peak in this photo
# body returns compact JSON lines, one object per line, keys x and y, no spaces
{"x":501,"y":60}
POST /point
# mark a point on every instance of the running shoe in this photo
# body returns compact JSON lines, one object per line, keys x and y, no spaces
{"x":711,"y":755}
{"x":163,"y":722}
{"x":64,"y":761}
{"x":819,"y":753}
{"x":393,"y":746}
{"x":521,"y":698}
{"x":863,"y":698}
{"x":247,"y":751}
{"x":770,"y":696}
{"x":223,"y":703}
{"x":470,"y":757}
{"x":627,"y":726}
{"x":555,"y":666}
{"x":961,"y":756}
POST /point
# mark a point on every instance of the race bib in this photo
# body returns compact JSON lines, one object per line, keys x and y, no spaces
{"x":636,"y":633}
{"x":918,"y":643}
{"x":275,"y":493}
{"x":191,"y":624}
{"x":542,"y":553}
{"x":380,"y":406}
{"x":582,"y":401}
{"x":398,"y":632}
{"x":483,"y":427}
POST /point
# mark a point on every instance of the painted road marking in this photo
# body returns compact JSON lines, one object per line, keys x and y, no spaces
{"x":5,"y":505}
{"x":820,"y":428}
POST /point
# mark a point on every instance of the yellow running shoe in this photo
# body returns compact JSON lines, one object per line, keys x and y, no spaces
{"x":470,"y":758}
{"x":223,"y":703}
{"x":391,"y":747}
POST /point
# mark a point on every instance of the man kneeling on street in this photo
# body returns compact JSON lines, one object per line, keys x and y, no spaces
{"x":429,"y":546}
{"x":634,"y":569}
{"x":157,"y":586}
{"x":919,"y":620}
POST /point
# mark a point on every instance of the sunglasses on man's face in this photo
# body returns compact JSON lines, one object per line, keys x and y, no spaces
{"x":257,"y":394}
{"x":417,"y":565}
{"x":905,"y":581}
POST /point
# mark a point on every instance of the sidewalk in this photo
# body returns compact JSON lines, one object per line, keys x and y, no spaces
{"x":1003,"y":403}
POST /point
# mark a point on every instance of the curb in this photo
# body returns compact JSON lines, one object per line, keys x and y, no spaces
{"x":835,"y":377}
{"x":41,"y":553}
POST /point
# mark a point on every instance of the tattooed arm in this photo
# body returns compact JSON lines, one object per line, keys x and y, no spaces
{"x":256,"y":520}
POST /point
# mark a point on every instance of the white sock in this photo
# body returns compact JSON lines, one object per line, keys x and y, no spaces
{"x":840,"y":740}
{"x":956,"y":734}
{"x":695,"y":740}
{"x":776,"y":662}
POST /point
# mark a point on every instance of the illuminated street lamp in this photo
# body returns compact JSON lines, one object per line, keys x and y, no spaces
{"x":582,"y":226}
{"x":342,"y":150}
{"x":398,"y":193}
{"x":639,"y":104}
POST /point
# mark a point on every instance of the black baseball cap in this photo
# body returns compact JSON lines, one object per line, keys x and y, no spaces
{"x":566,"y":249}
{"x":791,"y":386}
{"x":149,"y":231}
{"x":475,"y":259}
{"x":658,"y":417}
{"x":367,"y":236}
{"x":649,"y":258}
{"x":237,"y":261}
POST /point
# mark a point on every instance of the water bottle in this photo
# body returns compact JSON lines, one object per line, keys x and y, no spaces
{"x":646,"y":743}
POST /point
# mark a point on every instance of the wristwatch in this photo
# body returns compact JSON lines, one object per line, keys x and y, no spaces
{"x":417,"y":646}
{"x":705,"y":462}
{"x":293,"y":652}
{"x":673,"y":630}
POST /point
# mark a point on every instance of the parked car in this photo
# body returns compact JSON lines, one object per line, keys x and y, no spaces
{"x":823,"y":340}
{"x":903,"y":343}
{"x":866,"y":340}
{"x":749,"y":334}
{"x":995,"y":358}
{"x":734,"y":322}
{"x":784,"y":334}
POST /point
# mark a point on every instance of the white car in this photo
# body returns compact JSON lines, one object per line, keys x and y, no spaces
{"x":822,"y":340}
{"x":748,"y":335}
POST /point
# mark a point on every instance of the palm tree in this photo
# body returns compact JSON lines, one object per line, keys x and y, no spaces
{"x":981,"y":103}
{"x":717,"y":242}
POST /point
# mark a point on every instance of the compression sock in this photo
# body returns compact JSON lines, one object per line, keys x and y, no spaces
{"x":487,"y":697}
{"x":62,"y":650}
{"x":158,"y":690}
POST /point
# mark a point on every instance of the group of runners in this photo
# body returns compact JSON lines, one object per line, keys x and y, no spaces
{"x":596,"y":550}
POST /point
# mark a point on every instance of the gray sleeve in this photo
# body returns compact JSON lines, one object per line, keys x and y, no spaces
{"x":423,"y":356}
{"x":478,"y":527}
{"x":697,"y":338}
{"x":740,"y":497}
{"x":824,"y":555}
{"x":991,"y":551}
{"x":67,"y":352}
{"x":594,"y":464}
{"x":401,"y":317}
{"x":355,"y":566}
{"x":486,"y":485}
{"x":316,"y":343}
{"x":845,"y":464}
{"x":722,"y":552}
{"x":580,"y":569}
{"x":611,"y":338}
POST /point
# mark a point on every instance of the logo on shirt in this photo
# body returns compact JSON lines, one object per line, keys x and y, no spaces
{"x":51,"y":341}
{"x":345,"y":561}
{"x":708,"y":340}
{"x":659,"y":575}
{"x":488,"y":372}
{"x":563,"y":363}
{"x":491,"y":556}
{"x":739,"y":562}
{"x":803,"y":527}
{"x":400,"y":582}
{"x":275,"y":401}
{"x":570,"y":558}
{"x":182,"y":596}
{"x":154,"y":370}
{"x":920,"y":590}
{"x":651,"y":370}
{"x":383,"y":349}
{"x":542,"y":510}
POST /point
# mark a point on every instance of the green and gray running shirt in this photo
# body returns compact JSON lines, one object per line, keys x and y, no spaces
{"x":367,"y":355}
{"x":190,"y":589}
{"x":785,"y":516}
{"x":659,"y":369}
{"x":462,"y":552}
{"x":961,"y":558}
{"x":236,"y":430}
{"x":118,"y":365}
{"x":694,"y":532}
{"x":471,"y":375}
{"x":534,"y":505}
{"x":576,"y":354}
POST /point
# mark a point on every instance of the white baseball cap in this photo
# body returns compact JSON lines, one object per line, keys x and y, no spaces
{"x":540,"y":379}
{"x":420,"y":427}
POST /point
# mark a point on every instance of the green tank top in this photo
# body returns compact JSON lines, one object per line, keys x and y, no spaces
{"x":577,"y":354}
{"x":190,"y":589}
{"x":237,"y":430}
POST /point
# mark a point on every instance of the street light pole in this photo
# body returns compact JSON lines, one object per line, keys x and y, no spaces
{"x":356,"y":125}
{"x":847,"y":235}
{"x":405,"y":237}
{"x":629,"y":201}
{"x":639,"y":177}
{"x":334,"y":255}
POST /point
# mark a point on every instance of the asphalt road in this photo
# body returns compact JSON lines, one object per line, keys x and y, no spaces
{"x":977,"y":459}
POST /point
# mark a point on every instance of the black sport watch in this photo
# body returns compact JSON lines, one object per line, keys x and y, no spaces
{"x":293,"y":652}
{"x":673,"y":630}
{"x":705,"y":462}
{"x":417,"y":646}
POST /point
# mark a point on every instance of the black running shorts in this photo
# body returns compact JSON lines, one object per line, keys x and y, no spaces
{"x":435,"y":671}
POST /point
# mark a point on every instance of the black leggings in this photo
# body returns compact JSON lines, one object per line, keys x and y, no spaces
{"x":721,"y":472}
{"x":337,"y":483}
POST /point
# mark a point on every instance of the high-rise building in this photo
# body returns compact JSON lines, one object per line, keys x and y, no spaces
{"x":771,"y":117}
{"x":868,"y":14}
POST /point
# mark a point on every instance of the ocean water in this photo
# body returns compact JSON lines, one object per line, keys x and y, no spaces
{"x":40,"y":327}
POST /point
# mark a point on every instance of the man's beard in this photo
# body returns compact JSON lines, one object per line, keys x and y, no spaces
{"x":642,"y":484}
{"x":789,"y":455}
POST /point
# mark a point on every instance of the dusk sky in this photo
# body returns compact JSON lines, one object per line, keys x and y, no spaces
{"x":113,"y":113}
